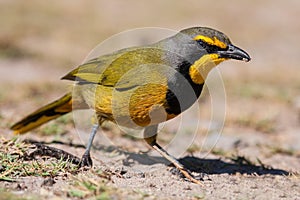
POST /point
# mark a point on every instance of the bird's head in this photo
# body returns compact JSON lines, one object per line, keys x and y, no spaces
{"x":205,"y":48}
{"x":215,"y":43}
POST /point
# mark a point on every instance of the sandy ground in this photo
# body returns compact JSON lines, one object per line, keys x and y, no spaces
{"x":256,"y":155}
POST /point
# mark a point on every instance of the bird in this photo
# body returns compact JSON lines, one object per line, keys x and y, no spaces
{"x":142,"y":86}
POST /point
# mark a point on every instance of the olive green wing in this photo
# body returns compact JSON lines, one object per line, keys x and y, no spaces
{"x":123,"y":69}
{"x":91,"y":71}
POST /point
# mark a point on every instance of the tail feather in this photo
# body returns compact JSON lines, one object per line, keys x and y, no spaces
{"x":44,"y":114}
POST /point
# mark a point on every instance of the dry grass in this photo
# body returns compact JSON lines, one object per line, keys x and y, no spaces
{"x":15,"y":162}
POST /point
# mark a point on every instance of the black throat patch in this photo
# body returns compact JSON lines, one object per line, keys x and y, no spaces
{"x":182,"y":92}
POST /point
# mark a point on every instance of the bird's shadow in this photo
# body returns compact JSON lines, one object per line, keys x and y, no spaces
{"x":233,"y":165}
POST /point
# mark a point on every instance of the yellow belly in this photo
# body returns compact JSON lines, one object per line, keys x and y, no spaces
{"x":139,"y":106}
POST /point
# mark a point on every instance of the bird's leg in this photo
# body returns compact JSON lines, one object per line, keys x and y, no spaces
{"x":86,"y":157}
{"x":150,"y":134}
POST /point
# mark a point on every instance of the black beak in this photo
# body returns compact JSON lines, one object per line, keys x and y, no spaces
{"x":234,"y":52}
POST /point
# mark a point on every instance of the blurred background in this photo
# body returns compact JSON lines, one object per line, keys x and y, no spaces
{"x":40,"y":41}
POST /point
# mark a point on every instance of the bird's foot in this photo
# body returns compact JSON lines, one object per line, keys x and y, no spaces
{"x":86,"y":161}
{"x":188,"y":175}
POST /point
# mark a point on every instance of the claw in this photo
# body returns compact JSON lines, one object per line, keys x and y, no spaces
{"x":187,"y":174}
{"x":86,"y":161}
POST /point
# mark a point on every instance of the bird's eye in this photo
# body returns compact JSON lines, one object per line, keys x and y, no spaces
{"x":202,"y":44}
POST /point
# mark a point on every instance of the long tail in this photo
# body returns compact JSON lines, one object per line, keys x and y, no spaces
{"x":46,"y":113}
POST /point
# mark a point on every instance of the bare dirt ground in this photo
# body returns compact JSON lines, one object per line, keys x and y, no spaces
{"x":256,"y":156}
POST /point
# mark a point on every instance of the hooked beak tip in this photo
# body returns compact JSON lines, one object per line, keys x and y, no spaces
{"x":236,"y":53}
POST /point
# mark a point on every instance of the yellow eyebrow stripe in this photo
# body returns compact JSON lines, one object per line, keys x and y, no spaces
{"x":212,"y":41}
